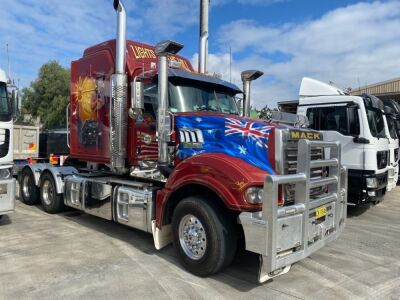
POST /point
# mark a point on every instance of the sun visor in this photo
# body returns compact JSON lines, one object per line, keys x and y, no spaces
{"x":204,"y":78}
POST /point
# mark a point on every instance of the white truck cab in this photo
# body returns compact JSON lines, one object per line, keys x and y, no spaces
{"x":358,"y":123}
{"x":393,"y":171}
{"x":7,"y":182}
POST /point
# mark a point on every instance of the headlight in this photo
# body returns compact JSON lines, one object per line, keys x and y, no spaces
{"x":372,"y":183}
{"x":254,"y":195}
{"x":5,"y":173}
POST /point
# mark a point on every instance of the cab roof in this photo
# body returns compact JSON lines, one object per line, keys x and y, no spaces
{"x":139,"y":56}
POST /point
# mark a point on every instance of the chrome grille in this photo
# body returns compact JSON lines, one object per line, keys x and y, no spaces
{"x":290,"y":167}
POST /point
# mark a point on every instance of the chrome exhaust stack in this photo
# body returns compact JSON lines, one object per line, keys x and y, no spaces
{"x":203,"y":42}
{"x":247,"y":77}
{"x":118,"y":109}
{"x":163,"y":49}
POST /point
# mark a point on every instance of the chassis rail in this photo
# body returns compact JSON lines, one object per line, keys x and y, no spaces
{"x":285,"y":235}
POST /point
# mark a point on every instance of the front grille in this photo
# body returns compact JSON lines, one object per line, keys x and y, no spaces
{"x":382,"y":179}
{"x":396,"y":154}
{"x":4,"y":142}
{"x":290,"y":167}
{"x":382,"y":158}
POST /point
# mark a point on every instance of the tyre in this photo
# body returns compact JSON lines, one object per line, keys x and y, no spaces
{"x":204,"y":239}
{"x":51,"y":201}
{"x":29,"y":192}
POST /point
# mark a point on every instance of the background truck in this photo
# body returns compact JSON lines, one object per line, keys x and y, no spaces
{"x":393,"y":170}
{"x":179,"y":162}
{"x":359,"y":124}
{"x":32,"y":145}
{"x":8,"y":108}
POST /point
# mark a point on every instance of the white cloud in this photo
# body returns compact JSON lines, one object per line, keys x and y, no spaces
{"x":38,"y":31}
{"x":247,"y":2}
{"x":166,"y":18}
{"x":357,"y":43}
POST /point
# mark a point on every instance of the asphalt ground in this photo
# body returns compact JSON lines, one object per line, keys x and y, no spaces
{"x":77,"y":256}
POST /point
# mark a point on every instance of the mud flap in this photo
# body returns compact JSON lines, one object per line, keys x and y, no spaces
{"x":263,"y":274}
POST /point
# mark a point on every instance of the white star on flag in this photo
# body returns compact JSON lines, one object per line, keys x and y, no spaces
{"x":242,"y":150}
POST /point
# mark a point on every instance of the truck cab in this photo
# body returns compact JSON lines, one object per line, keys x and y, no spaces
{"x":7,"y":182}
{"x":359,"y":124}
{"x":393,"y":169}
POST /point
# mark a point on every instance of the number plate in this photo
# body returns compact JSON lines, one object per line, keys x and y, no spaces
{"x":320,"y":212}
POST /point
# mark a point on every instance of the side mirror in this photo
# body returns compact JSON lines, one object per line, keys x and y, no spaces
{"x":15,"y":104}
{"x":137,"y":98}
{"x":360,"y":140}
{"x":239,"y":105}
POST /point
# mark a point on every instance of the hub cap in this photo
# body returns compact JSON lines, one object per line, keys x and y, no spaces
{"x":26,"y":189}
{"x":48,"y":192}
{"x":192,"y":237}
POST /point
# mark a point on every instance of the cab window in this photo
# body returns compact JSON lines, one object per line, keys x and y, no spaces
{"x":342,"y":119}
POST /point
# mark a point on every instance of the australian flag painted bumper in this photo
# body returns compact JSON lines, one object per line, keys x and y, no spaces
{"x":235,"y":137}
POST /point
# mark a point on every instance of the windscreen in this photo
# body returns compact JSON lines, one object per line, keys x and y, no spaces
{"x":392,"y":127}
{"x":192,"y":96}
{"x":5,"y":109}
{"x":375,"y":122}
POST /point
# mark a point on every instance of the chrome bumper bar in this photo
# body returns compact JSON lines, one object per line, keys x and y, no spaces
{"x":285,"y":235}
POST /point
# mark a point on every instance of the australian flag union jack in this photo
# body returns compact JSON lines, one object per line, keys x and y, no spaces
{"x":248,"y":130}
{"x":231,"y":136}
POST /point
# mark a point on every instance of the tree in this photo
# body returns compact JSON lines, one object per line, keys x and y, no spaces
{"x":47,"y":97}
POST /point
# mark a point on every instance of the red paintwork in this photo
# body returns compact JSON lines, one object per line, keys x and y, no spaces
{"x":227,"y":176}
{"x":90,"y":101}
{"x":96,"y":67}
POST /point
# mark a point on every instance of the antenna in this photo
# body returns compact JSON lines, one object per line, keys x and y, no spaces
{"x":230,"y":64}
{"x":9,"y":65}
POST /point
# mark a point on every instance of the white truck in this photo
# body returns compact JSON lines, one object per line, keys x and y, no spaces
{"x":393,"y":171}
{"x":8,"y":108}
{"x":358,"y":123}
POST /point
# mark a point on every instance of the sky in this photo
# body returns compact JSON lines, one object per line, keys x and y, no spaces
{"x":349,"y":43}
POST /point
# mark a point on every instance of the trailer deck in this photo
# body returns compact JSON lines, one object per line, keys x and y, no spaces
{"x":75,"y":255}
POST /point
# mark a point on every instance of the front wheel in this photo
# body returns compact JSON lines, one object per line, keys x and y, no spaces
{"x":204,"y":238}
{"x":51,"y":201}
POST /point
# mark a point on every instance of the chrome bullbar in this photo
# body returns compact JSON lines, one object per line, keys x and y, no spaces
{"x":285,"y":235}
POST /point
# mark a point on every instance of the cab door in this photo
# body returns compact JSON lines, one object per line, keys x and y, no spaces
{"x":144,"y":146}
{"x":340,"y":122}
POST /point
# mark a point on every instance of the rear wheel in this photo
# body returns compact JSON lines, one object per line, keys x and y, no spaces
{"x":51,"y":201}
{"x":204,"y":238}
{"x":29,"y":192}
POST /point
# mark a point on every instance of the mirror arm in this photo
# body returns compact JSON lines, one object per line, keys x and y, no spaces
{"x":360,"y":140}
{"x":134,"y":112}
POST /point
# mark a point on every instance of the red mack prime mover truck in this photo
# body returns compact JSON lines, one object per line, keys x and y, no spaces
{"x":178,"y":161}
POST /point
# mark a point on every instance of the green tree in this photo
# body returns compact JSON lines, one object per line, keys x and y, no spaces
{"x":48,"y":96}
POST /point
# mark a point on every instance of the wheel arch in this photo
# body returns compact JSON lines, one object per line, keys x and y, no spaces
{"x":36,"y":170}
{"x":58,"y":174}
{"x":194,"y":189}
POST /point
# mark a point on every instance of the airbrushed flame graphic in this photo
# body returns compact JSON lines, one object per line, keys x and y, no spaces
{"x":231,"y":136}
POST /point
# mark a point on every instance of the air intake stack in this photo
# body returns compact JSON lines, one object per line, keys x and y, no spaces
{"x":163,"y":49}
{"x":247,"y":77}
